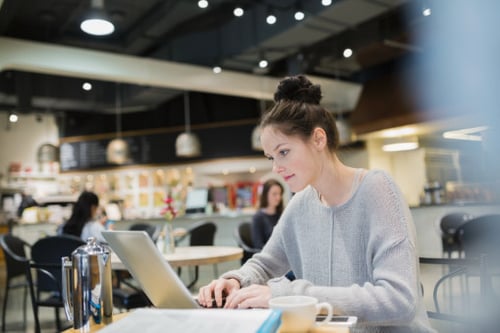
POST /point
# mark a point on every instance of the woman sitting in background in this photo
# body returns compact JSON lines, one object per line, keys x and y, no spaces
{"x":270,"y":209}
{"x":83,"y":222}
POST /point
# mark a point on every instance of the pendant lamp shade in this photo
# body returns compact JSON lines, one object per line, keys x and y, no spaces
{"x":117,"y":151}
{"x":47,"y":153}
{"x":187,"y":144}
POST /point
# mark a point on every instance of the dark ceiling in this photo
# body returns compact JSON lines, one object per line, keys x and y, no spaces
{"x":378,"y":31}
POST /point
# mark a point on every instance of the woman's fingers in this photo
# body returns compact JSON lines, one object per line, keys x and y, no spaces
{"x":254,"y":296}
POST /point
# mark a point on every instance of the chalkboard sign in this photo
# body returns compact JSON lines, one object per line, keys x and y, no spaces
{"x":159,"y":148}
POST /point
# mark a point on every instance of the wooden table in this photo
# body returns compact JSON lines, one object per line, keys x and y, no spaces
{"x":193,"y":256}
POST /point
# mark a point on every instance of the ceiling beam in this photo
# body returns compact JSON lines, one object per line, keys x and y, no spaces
{"x":88,"y":64}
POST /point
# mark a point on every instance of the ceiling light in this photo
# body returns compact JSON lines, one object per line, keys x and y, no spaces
{"x":97,"y":27}
{"x":426,"y":11}
{"x":347,"y":53}
{"x":400,"y":144}
{"x":87,"y":86}
{"x":271,"y":19}
{"x":217,"y":69}
{"x":326,"y":2}
{"x":299,"y":15}
{"x":263,"y":63}
{"x":97,"y":22}
{"x":47,"y":153}
{"x":402,"y":131}
{"x":238,"y":11}
{"x":13,"y":118}
{"x":470,"y":134}
{"x":187,"y":144}
{"x":203,"y":3}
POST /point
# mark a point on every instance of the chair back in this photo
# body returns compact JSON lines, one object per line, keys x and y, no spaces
{"x":449,"y":224}
{"x":46,"y":254}
{"x":480,"y":236}
{"x":14,"y":249}
{"x":243,"y":237}
{"x":202,"y":233}
{"x":152,"y":230}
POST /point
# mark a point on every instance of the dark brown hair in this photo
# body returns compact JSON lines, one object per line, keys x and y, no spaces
{"x":263,"y":202}
{"x":297,"y":111}
{"x":81,"y":213}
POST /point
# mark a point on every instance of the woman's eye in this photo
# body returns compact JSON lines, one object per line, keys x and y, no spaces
{"x":270,"y":158}
{"x":283,"y":152}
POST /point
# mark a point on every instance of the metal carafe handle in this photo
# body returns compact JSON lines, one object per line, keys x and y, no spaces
{"x":67,"y":289}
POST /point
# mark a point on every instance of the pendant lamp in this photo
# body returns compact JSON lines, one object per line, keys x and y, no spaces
{"x":187,"y":144}
{"x":118,"y":150}
{"x":97,"y":22}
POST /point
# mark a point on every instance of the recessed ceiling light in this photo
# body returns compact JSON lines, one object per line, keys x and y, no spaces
{"x":347,"y":53}
{"x":87,"y":86}
{"x":299,"y":15}
{"x":238,"y":12}
{"x":217,"y":69}
{"x":271,"y":19}
{"x":263,"y":63}
{"x":203,"y":3}
{"x":13,"y":118}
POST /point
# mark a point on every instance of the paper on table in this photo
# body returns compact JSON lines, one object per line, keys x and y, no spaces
{"x":196,"y":321}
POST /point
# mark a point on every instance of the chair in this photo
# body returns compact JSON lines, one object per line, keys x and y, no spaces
{"x":243,"y":236}
{"x":45,"y":284}
{"x":448,"y":225}
{"x":483,"y":320}
{"x":152,"y":230}
{"x":16,"y":262}
{"x":480,"y":236}
{"x":201,"y":234}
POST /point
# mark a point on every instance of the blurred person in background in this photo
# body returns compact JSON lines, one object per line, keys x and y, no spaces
{"x":84,"y":221}
{"x":268,"y":214}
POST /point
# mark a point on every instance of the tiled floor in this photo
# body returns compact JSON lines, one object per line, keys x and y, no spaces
{"x":448,"y":296}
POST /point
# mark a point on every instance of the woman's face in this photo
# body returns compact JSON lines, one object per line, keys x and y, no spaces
{"x":293,"y":159}
{"x":274,"y":196}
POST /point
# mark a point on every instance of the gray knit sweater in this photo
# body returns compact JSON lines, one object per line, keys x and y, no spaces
{"x":361,"y":256}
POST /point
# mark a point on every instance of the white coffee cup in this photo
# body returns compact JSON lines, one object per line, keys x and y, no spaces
{"x":299,"y":312}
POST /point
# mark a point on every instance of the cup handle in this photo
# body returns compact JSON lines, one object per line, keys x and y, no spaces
{"x":329,"y":308}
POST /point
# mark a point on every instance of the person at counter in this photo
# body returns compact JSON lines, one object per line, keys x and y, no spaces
{"x":347,"y":233}
{"x":270,"y":209}
{"x":84,"y":222}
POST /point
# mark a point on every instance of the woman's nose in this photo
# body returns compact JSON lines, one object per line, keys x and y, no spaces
{"x":276,"y":167}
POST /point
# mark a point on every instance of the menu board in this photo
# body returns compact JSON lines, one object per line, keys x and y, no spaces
{"x":158,"y":148}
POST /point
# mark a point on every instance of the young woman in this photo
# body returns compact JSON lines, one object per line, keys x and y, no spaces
{"x":270,"y":209}
{"x":83,"y":221}
{"x":347,"y":233}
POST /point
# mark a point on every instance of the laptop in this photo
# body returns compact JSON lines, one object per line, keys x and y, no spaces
{"x":149,"y":268}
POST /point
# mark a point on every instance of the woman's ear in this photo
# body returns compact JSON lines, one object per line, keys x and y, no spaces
{"x":319,"y":138}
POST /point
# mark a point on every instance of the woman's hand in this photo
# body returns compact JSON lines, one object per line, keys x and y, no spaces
{"x":254,"y":296}
{"x":217,"y":290}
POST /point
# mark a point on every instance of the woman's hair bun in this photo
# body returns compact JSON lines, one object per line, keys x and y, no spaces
{"x":299,"y":89}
